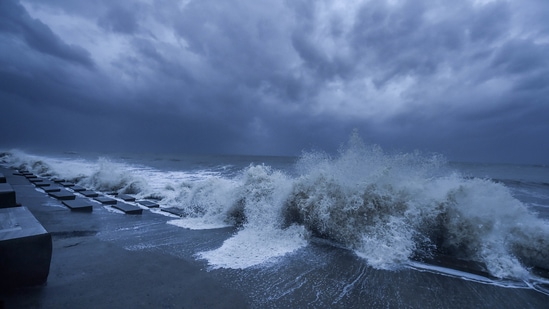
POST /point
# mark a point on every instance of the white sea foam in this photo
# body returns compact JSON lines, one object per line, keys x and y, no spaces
{"x":260,"y":200}
{"x":468,"y":276}
{"x":251,"y":247}
{"x":389,"y":209}
{"x":198,"y":224}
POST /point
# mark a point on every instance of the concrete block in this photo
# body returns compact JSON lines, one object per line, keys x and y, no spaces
{"x":43,"y":184}
{"x":128,"y":209}
{"x":30,"y":176}
{"x":36,"y":180}
{"x":89,"y":193}
{"x":79,"y":205}
{"x":62,"y":195}
{"x":105,"y":200}
{"x":78,"y":188}
{"x":125,"y":197}
{"x":2,"y":178}
{"x":66,"y":184}
{"x":25,"y":249}
{"x":148,"y":204}
{"x":49,"y":189}
{"x":174,"y":211}
{"x":7,"y":196}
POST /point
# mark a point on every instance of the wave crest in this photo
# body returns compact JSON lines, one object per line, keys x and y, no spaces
{"x":394,"y":208}
{"x":391,"y":209}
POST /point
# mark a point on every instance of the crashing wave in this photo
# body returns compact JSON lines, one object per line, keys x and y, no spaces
{"x":389,"y":209}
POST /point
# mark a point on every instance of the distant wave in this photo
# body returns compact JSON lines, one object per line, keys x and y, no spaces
{"x":389,"y":209}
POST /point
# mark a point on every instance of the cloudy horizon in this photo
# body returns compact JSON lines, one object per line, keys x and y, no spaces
{"x":467,"y":79}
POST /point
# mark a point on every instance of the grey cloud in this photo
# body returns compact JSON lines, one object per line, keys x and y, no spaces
{"x":119,"y":19}
{"x":490,"y":22}
{"x":521,"y":56}
{"x":320,"y":66}
{"x":251,"y":78}
{"x":241,"y":42}
{"x":15,"y":20}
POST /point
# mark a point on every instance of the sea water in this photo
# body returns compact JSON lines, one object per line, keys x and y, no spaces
{"x":479,"y":222}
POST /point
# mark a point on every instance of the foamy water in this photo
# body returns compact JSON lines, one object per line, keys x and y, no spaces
{"x":391,"y":210}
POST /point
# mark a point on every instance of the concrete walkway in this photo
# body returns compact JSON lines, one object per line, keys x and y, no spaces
{"x":94,"y":266}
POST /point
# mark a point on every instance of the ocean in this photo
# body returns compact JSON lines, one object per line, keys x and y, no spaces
{"x":361,"y":228}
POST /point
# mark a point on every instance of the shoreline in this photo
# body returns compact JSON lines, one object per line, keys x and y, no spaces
{"x":105,"y":259}
{"x":91,"y":266}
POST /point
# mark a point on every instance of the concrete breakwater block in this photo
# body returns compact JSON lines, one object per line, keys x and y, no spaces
{"x":105,"y":200}
{"x":88,"y":193}
{"x":2,"y":178}
{"x":36,"y":180}
{"x":49,"y":189}
{"x":126,"y":198}
{"x":79,"y":205}
{"x":25,"y":249}
{"x":66,"y":184}
{"x":174,"y":211}
{"x":78,"y":188}
{"x":43,"y":184}
{"x":128,"y":209}
{"x":148,"y":204}
{"x":7,"y":196}
{"x":62,"y":195}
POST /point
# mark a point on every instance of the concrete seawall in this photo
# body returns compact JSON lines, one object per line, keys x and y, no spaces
{"x":91,"y":266}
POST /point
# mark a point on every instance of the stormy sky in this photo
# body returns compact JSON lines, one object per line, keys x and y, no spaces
{"x":467,"y":79}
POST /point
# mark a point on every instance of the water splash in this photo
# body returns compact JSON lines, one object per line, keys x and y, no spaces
{"x":390,"y":209}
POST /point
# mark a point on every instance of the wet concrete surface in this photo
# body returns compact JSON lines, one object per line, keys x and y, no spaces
{"x":93,"y":264}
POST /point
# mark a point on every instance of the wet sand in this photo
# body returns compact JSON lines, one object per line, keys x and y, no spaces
{"x":105,"y":259}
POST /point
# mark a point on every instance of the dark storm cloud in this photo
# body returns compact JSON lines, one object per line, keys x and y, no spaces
{"x":15,"y":20}
{"x":465,"y":78}
{"x":119,"y":19}
{"x":519,"y":57}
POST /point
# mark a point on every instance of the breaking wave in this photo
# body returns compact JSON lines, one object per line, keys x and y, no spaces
{"x":389,"y":209}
